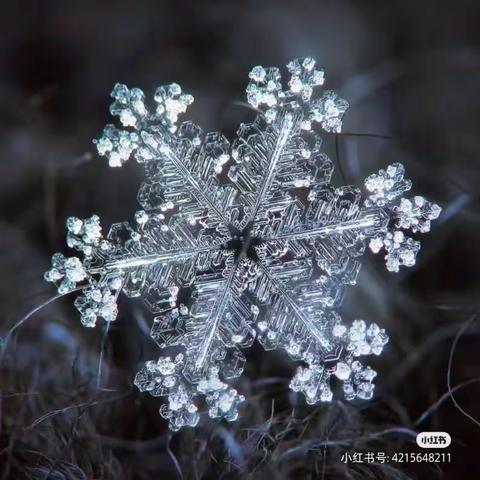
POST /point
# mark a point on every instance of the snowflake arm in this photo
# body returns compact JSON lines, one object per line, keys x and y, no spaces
{"x":211,"y":333}
{"x":263,"y":152}
{"x":319,"y":338}
{"x":187,"y":158}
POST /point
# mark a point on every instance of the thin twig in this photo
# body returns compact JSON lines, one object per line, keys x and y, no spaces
{"x":444,"y":397}
{"x":173,"y":457}
{"x":28,"y":316}
{"x":449,"y":370}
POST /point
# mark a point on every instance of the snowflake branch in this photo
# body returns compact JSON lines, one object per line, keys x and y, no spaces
{"x":287,"y":298}
{"x":376,"y":218}
{"x":151,"y":259}
{"x":196,"y":191}
{"x":214,"y":319}
{"x":288,"y":124}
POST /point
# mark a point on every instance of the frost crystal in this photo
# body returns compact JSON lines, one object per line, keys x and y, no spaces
{"x":242,"y":240}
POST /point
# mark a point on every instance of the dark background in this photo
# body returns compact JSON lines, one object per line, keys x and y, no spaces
{"x":411,"y":71}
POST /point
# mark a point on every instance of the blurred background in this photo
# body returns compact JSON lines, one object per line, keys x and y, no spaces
{"x":411,"y":72}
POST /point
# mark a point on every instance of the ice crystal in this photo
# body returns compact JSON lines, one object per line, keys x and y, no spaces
{"x":242,"y":240}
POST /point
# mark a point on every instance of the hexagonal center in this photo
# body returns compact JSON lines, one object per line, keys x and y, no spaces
{"x":243,"y":244}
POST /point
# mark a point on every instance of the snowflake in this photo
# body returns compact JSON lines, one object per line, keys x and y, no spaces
{"x":241,"y":241}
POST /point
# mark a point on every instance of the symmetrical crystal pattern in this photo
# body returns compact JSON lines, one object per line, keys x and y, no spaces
{"x":242,"y":240}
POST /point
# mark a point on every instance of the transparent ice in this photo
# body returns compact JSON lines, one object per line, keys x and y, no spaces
{"x":241,"y":241}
